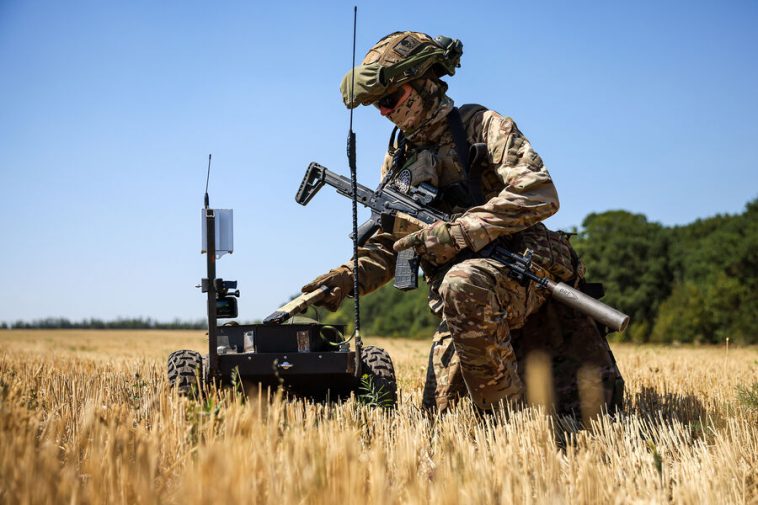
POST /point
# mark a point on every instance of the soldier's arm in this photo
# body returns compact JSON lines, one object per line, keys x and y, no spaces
{"x":529,"y":195}
{"x":376,"y":259}
{"x":376,"y":262}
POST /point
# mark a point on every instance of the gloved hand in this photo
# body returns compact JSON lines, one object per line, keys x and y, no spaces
{"x":339,"y":280}
{"x":437,"y":243}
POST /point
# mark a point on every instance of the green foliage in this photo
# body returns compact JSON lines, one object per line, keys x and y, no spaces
{"x":390,"y":312}
{"x":693,"y":283}
{"x":657,"y":458}
{"x":715,"y":267}
{"x":748,"y":397}
{"x":682,"y":316}
{"x":371,"y":395}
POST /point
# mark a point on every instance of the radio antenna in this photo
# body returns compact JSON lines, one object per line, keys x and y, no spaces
{"x":354,"y":181}
{"x":207,"y":178}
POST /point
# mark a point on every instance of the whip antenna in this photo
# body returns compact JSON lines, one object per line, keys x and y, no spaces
{"x":207,"y":178}
{"x":354,"y":182}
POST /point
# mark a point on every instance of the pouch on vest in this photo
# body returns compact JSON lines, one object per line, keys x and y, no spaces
{"x":552,"y":250}
{"x":419,"y":168}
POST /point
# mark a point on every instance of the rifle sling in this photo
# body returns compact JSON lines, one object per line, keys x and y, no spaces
{"x":455,"y":123}
{"x":470,"y":156}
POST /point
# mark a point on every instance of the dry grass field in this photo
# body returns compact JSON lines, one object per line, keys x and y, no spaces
{"x":87,"y":417}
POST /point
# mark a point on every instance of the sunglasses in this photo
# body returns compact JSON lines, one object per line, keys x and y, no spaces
{"x":392,"y":100}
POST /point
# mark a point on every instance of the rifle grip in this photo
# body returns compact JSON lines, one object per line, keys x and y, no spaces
{"x":366,"y":230}
{"x":406,"y":270}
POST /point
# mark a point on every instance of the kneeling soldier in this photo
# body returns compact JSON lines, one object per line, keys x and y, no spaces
{"x":490,"y":177}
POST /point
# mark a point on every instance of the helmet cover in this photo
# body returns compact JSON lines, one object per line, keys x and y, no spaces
{"x":398,"y":58}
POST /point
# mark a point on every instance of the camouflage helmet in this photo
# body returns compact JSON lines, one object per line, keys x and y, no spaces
{"x":398,"y":58}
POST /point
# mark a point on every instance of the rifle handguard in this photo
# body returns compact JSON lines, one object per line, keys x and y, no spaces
{"x":296,"y":306}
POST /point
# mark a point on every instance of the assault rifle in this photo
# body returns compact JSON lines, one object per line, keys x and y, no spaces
{"x":386,"y":202}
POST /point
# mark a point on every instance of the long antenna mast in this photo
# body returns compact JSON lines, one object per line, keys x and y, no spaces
{"x":207,"y":178}
{"x":210,"y":287}
{"x":354,"y":181}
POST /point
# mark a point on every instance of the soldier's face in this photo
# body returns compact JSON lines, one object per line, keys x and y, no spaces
{"x":408,"y":112}
{"x":391,"y":101}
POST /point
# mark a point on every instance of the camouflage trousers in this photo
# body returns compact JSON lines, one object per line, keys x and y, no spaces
{"x":497,"y":337}
{"x":472,"y":349}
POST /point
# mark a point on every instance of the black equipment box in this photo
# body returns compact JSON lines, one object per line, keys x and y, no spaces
{"x":262,"y":338}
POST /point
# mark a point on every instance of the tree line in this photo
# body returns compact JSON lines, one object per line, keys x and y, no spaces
{"x":691,"y":283}
{"x":99,"y":324}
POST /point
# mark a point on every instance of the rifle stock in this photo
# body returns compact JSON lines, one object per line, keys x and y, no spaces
{"x":312,"y":182}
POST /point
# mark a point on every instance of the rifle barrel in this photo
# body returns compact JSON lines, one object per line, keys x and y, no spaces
{"x":597,"y":310}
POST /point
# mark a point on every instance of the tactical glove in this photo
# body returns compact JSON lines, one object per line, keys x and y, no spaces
{"x":339,"y":280}
{"x":437,"y":243}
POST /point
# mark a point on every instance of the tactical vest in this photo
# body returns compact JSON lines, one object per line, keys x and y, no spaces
{"x":453,"y":164}
{"x":466,"y":177}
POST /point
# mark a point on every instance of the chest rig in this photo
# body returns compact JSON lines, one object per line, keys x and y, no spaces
{"x":453,"y":196}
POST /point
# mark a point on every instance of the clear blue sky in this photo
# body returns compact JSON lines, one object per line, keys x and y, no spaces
{"x":109,"y":111}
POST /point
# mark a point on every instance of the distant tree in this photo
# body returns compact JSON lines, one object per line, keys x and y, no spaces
{"x":715,"y":264}
{"x":390,"y":312}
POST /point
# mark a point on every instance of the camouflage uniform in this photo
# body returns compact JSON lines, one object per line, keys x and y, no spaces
{"x":479,"y":301}
{"x":475,"y":348}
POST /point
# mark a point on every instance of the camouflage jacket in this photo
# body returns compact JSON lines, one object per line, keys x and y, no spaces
{"x":518,"y":193}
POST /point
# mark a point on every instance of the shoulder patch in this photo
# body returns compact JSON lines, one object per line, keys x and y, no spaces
{"x":406,"y":46}
{"x":403,"y":180}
